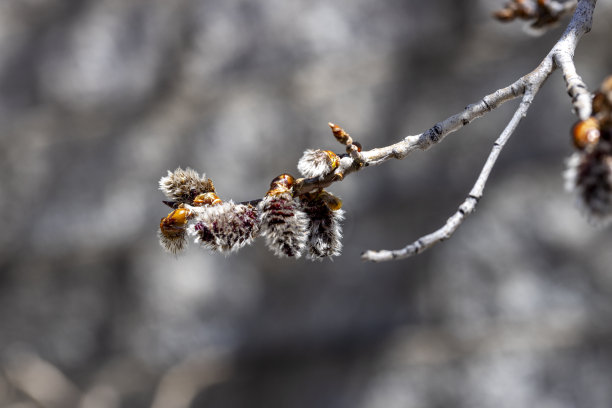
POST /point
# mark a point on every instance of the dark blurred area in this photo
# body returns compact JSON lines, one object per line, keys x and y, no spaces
{"x":98,"y":99}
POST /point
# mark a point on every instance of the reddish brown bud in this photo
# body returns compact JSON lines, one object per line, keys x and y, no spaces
{"x":281,"y":184}
{"x":174,"y":222}
{"x":340,"y":135}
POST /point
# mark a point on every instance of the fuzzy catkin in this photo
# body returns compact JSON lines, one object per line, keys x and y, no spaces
{"x":183,"y":185}
{"x":225,"y":227}
{"x":283,"y":224}
{"x":324,"y":229}
{"x":173,"y":244}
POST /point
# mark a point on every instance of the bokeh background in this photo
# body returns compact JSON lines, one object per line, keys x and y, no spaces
{"x":99,"y":98}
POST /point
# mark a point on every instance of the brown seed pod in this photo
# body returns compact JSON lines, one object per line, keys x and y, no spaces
{"x":586,"y":133}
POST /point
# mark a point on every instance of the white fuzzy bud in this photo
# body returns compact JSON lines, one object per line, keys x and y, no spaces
{"x":183,"y":185}
{"x":317,"y":163}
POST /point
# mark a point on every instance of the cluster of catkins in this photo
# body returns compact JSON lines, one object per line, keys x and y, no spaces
{"x":539,"y":13}
{"x":589,"y":170}
{"x":292,"y":225}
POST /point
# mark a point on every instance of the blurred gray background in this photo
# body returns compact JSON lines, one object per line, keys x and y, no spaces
{"x":99,"y":98}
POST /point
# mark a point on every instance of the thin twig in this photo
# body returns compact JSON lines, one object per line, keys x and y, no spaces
{"x":561,"y":56}
{"x":468,"y":206}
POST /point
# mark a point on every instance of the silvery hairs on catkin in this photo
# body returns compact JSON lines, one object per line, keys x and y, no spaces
{"x":225,"y":227}
{"x":283,"y":224}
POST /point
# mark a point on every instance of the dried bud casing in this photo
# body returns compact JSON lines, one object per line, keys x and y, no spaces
{"x":589,"y":176}
{"x":318,"y":163}
{"x":281,"y":184}
{"x":172,"y":230}
{"x":184,"y":185}
{"x":224,"y":227}
{"x":324,"y":228}
{"x":202,"y":200}
{"x":283,"y":224}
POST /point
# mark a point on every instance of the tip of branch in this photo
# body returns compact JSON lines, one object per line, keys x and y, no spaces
{"x":340,"y":135}
{"x":377,"y":256}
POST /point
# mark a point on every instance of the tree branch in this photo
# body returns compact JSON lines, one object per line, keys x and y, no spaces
{"x":181,"y":188}
{"x":561,"y":55}
{"x":468,"y":205}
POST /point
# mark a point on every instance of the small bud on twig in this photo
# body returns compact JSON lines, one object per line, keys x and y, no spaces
{"x":340,"y":135}
{"x":352,"y":148}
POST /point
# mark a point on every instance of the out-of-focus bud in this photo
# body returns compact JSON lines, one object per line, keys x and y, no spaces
{"x":184,"y":185}
{"x":541,"y":14}
{"x":589,"y":176}
{"x":318,"y":163}
{"x":224,"y":227}
{"x":586,"y":133}
{"x":602,"y":103}
{"x":334,"y":203}
{"x":172,"y":230}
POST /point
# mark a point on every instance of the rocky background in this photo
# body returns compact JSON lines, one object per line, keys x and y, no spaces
{"x":99,"y":98}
